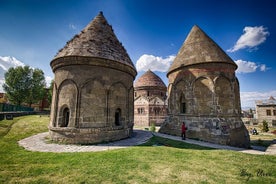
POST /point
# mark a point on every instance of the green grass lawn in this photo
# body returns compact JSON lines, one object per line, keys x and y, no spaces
{"x":166,"y":162}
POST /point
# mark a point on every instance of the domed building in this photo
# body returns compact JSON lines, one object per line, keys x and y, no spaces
{"x":150,"y":105}
{"x":93,"y":90}
{"x":204,"y":93}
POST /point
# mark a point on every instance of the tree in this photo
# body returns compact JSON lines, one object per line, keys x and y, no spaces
{"x":265,"y":126}
{"x":16,"y":84}
{"x":36,"y":89}
{"x":24,"y":84}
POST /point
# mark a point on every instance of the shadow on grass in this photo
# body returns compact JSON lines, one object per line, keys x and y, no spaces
{"x":5,"y":126}
{"x":160,"y":141}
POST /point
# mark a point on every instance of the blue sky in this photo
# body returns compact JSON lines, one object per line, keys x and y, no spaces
{"x":152,"y":31}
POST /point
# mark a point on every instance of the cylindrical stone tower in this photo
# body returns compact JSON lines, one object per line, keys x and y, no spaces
{"x":93,"y":88}
{"x":204,"y":92}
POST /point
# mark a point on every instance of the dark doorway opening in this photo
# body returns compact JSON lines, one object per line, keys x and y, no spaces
{"x":118,"y":117}
{"x":183,"y":104}
{"x":183,"y":107}
{"x":66,"y":115}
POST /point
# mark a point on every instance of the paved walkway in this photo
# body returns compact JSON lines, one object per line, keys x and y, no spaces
{"x":39,"y":143}
{"x":257,"y":150}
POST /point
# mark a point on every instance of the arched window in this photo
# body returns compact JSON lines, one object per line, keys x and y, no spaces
{"x":65,"y":117}
{"x":182,"y":104}
{"x":118,"y":117}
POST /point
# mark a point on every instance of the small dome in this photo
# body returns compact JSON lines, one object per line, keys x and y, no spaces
{"x":149,"y":79}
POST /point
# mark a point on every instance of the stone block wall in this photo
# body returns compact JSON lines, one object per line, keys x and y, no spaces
{"x":262,"y":114}
{"x":206,"y":97}
{"x":92,"y":101}
{"x":228,"y":131}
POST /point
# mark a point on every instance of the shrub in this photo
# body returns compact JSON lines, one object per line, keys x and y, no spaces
{"x":152,"y":127}
{"x":265,"y":126}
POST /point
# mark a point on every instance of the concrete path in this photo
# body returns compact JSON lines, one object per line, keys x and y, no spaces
{"x":39,"y":143}
{"x":271,"y":150}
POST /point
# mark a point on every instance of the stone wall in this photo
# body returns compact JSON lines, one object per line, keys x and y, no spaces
{"x":262,"y":115}
{"x":206,"y":97}
{"x":94,"y":101}
{"x":73,"y":135}
{"x":224,"y":130}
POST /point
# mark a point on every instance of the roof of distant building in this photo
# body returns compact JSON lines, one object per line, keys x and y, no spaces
{"x":270,"y":101}
{"x":149,"y":79}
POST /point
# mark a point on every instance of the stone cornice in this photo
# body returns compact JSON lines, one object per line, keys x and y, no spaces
{"x":92,"y":61}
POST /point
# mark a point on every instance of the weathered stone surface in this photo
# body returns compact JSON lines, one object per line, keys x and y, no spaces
{"x":204,"y":92}
{"x":199,"y":48}
{"x":97,"y":39}
{"x":93,"y":89}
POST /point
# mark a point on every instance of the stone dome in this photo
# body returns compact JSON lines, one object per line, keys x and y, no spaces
{"x":199,"y":48}
{"x":149,"y":79}
{"x":96,"y":40}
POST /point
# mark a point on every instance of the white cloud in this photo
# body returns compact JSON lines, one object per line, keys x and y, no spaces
{"x":263,"y":68}
{"x":249,"y":66}
{"x":72,"y":26}
{"x":48,"y":80}
{"x":154,"y":63}
{"x":1,"y":85}
{"x":7,"y":62}
{"x":251,"y":38}
{"x":248,"y":98}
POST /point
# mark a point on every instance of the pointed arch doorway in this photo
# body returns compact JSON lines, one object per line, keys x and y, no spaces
{"x":118,"y":117}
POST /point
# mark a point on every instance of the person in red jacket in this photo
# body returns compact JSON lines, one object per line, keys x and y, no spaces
{"x":183,"y":131}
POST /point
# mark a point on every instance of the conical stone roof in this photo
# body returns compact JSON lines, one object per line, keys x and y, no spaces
{"x":97,"y":39}
{"x":149,"y":79}
{"x":199,"y":48}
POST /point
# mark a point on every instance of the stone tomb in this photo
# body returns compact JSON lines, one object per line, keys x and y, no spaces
{"x":93,"y":90}
{"x":204,"y":92}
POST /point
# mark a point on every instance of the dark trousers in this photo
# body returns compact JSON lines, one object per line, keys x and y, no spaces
{"x":183,"y":135}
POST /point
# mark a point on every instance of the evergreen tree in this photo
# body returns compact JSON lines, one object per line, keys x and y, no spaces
{"x":265,"y":126}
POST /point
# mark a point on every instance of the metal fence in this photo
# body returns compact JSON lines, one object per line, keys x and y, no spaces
{"x":14,"y":108}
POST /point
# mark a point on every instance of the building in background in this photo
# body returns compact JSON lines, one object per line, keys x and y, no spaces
{"x":266,"y":110}
{"x":150,"y":105}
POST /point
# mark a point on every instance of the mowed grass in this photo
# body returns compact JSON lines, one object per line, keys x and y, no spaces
{"x":158,"y":161}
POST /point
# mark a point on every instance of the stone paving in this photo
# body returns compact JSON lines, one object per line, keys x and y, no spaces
{"x":39,"y":143}
{"x":271,"y":150}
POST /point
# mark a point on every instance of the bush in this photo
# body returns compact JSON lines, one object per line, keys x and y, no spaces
{"x":265,"y":126}
{"x":152,"y":127}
